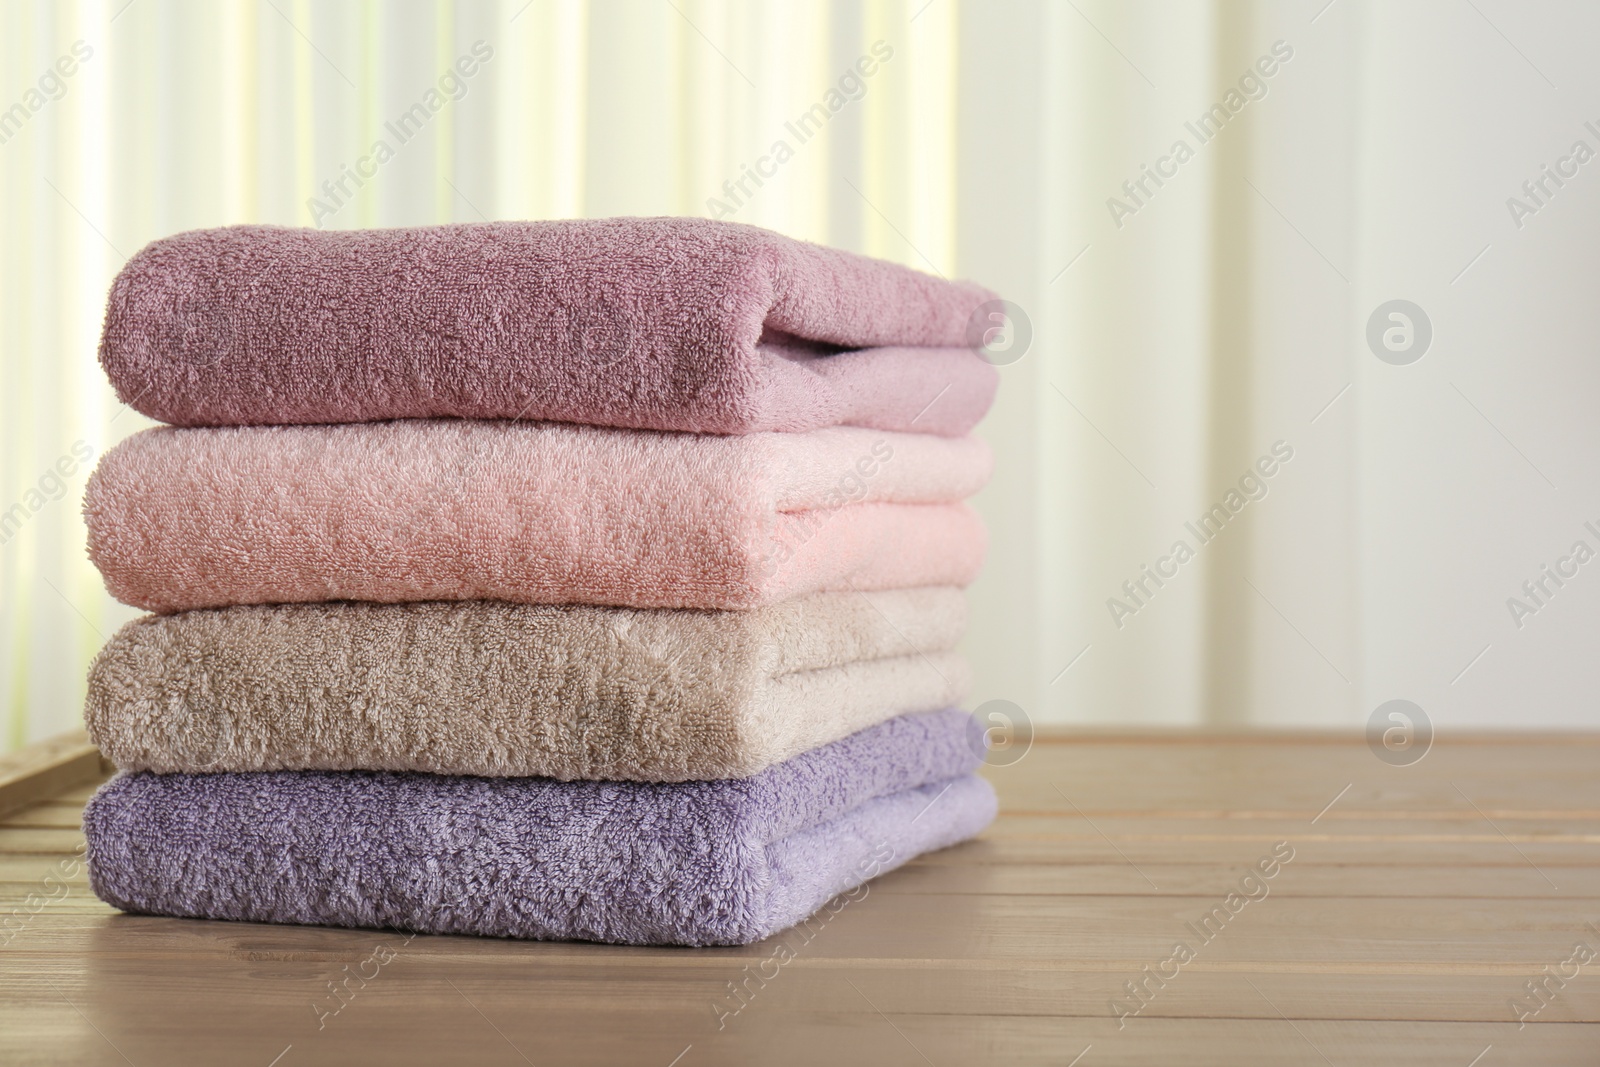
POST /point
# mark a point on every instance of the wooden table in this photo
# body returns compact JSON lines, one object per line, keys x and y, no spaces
{"x":1418,"y":903}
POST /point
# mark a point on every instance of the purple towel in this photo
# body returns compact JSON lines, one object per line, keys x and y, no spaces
{"x":691,"y":863}
{"x":663,"y":324}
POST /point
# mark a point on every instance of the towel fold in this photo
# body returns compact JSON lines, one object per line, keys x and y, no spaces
{"x":542,"y":513}
{"x":667,"y":324}
{"x":694,"y":863}
{"x":489,"y":688}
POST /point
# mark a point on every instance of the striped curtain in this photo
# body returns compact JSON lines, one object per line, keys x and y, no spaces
{"x":128,"y":121}
{"x":1198,"y":316}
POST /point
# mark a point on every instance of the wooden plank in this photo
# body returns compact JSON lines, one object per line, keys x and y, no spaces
{"x":79,"y":795}
{"x":33,"y":841}
{"x":1124,"y":933}
{"x":1513,"y":881}
{"x":51,"y":814}
{"x":1267,"y":777}
{"x":911,"y":988}
{"x":46,"y":769}
{"x":455,"y":1022}
{"x":998,"y":846}
{"x":1352,"y":827}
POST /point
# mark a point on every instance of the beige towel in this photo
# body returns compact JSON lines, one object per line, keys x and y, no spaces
{"x":492,"y":688}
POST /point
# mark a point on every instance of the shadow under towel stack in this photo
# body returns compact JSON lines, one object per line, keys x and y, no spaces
{"x":587,"y":579}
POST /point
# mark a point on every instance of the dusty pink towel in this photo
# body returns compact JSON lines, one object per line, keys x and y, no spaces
{"x":667,"y":324}
{"x":541,"y":513}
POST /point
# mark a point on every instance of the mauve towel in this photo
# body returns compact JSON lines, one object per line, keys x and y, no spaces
{"x":666,"y":324}
{"x":543,"y":513}
{"x":484,"y":687}
{"x":692,"y":863}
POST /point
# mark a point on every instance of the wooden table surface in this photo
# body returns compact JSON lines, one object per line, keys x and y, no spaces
{"x":1418,"y":905}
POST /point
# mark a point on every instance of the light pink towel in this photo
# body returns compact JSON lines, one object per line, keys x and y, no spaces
{"x":667,"y":324}
{"x":541,"y":513}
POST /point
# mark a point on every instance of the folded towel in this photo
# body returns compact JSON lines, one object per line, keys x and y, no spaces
{"x":695,"y":863}
{"x":666,"y":324}
{"x":484,"y":687}
{"x":543,"y":513}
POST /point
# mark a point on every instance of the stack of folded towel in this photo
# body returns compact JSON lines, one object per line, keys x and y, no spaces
{"x":589,"y":579}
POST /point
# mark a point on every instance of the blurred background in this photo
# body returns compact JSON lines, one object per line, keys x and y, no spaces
{"x":1190,"y":317}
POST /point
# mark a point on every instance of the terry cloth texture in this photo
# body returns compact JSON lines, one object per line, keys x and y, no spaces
{"x":489,"y":688}
{"x":693,"y":863}
{"x":665,"y":324}
{"x":540,"y":513}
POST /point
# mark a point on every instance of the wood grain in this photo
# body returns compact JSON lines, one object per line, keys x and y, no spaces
{"x":47,"y":769}
{"x":1418,"y":903}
